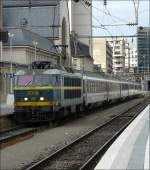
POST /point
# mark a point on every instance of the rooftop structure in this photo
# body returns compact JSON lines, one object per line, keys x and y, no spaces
{"x":23,"y":37}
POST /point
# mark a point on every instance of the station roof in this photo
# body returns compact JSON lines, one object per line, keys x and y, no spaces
{"x":23,"y":37}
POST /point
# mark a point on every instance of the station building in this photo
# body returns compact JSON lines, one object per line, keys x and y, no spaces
{"x":118,"y":47}
{"x":133,"y":60}
{"x":103,"y":55}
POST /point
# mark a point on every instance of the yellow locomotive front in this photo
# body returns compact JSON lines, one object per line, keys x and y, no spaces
{"x":34,"y":98}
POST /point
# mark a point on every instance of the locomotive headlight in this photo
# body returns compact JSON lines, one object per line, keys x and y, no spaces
{"x":41,"y":98}
{"x":25,"y":99}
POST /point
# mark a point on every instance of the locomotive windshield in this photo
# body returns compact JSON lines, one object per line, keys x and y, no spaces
{"x":41,"y":80}
{"x":24,"y":80}
{"x":32,"y":80}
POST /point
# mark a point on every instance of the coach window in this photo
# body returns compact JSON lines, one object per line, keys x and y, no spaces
{"x":101,"y":86}
{"x":111,"y":87}
{"x":126,"y":86}
{"x":65,"y":81}
{"x":89,"y":86}
{"x":98,"y":86}
{"x":92,"y":86}
{"x":84,"y":86}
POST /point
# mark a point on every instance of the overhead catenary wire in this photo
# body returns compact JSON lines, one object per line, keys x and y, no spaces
{"x":94,"y":17}
{"x":124,"y":22}
{"x":108,"y":13}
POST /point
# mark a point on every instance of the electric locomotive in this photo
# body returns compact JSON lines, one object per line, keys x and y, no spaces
{"x":46,"y":95}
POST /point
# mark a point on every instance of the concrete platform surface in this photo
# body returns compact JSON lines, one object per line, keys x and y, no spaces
{"x":131,"y":149}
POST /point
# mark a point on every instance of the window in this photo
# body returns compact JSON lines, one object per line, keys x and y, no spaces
{"x":24,"y":80}
{"x":70,"y":82}
{"x":114,"y":86}
{"x":117,"y":52}
{"x":124,"y":86}
{"x":42,"y":80}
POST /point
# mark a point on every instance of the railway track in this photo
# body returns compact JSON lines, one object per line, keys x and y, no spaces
{"x":13,"y":135}
{"x":85,"y":152}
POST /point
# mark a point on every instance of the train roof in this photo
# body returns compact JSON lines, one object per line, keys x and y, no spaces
{"x":56,"y":71}
{"x":47,"y":71}
{"x":97,"y":76}
{"x":85,"y":75}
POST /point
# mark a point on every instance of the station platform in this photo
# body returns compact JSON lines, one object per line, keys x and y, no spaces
{"x":131,"y":149}
{"x":6,"y":109}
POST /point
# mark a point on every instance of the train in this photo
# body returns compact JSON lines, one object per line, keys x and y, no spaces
{"x":50,"y":94}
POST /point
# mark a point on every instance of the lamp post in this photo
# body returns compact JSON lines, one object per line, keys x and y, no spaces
{"x":35,"y":43}
{"x":11,"y":60}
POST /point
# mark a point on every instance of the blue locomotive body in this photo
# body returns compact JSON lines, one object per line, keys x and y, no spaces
{"x":46,"y":96}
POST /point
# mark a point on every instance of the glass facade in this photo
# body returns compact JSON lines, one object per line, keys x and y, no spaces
{"x":143,"y":44}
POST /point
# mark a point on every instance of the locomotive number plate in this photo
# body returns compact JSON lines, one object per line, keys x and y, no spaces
{"x":33,"y":93}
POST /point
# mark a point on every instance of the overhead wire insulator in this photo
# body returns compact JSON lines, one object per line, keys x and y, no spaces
{"x":76,"y":1}
{"x":132,"y":24}
{"x":105,"y":2}
{"x":87,"y":2}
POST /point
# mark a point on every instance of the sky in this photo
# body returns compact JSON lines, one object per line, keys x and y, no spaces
{"x":119,"y":12}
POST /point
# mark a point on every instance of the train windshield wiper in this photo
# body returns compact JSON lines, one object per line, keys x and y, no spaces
{"x":28,"y":83}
